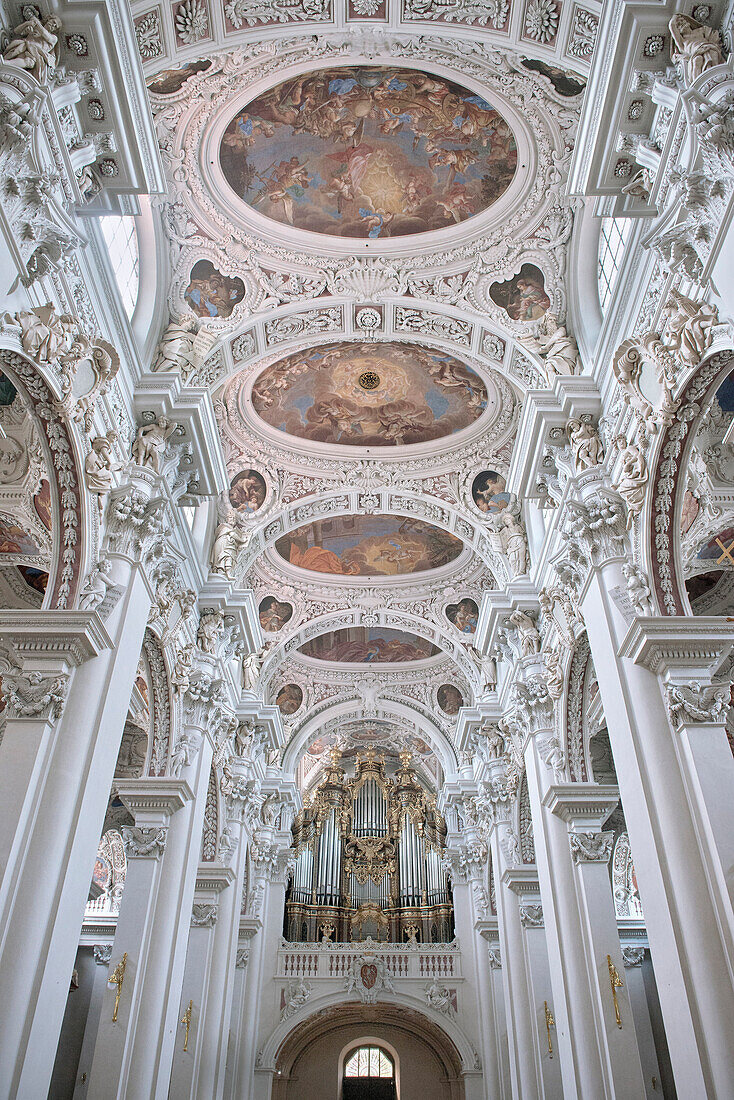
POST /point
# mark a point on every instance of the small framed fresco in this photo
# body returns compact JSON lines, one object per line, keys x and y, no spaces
{"x":449,"y":699}
{"x":289,"y":698}
{"x":464,"y":615}
{"x":211,"y":294}
{"x":488,"y":492}
{"x":273,"y":614}
{"x":247,"y":491}
{"x":523,"y":297}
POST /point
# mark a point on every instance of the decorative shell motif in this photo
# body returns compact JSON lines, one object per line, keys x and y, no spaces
{"x":365,"y":280}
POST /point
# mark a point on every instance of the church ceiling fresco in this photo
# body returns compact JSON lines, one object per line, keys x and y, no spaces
{"x":368,"y":152}
{"x":247,"y":491}
{"x":273,"y":614}
{"x":464,"y":615}
{"x":369,"y":394}
{"x":450,"y":699}
{"x":369,"y":645}
{"x":211,"y":294}
{"x":523,"y":297}
{"x":369,"y":546}
{"x":566,"y":84}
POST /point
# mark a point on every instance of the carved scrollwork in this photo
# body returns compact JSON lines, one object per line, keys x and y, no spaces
{"x":591,"y":847}
{"x":144,"y":842}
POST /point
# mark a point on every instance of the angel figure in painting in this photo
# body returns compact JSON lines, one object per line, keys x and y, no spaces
{"x":697,"y":46}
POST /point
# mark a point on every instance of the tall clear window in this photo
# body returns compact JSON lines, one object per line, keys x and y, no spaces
{"x":612,"y":241}
{"x":122,"y":244}
{"x":369,"y":1062}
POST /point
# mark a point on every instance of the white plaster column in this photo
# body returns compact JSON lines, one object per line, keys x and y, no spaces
{"x":210,"y":952}
{"x":596,"y":1059}
{"x":523,"y":881}
{"x":498,"y":1017}
{"x":57,"y":762}
{"x":102,"y":956}
{"x":585,"y":807}
{"x":669,"y":807}
{"x":133,"y":1057}
{"x":526,"y":1071}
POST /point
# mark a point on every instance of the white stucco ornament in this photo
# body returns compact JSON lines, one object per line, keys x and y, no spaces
{"x":368,"y":976}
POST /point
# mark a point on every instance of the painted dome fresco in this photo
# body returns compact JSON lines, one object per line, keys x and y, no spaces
{"x":369,"y":645}
{"x":370,"y":394}
{"x":369,"y":546}
{"x":368,"y":152}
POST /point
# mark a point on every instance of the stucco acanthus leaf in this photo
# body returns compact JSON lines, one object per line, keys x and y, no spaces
{"x":144,"y":842}
{"x":633,"y":956}
{"x":596,"y":530}
{"x":531,"y":916}
{"x":696,"y":702}
{"x":102,"y":953}
{"x":533,"y":704}
{"x":591,"y":847}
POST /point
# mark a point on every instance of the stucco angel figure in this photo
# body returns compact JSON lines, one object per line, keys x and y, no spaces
{"x":585,"y":443}
{"x":96,"y":586}
{"x":688,"y":326}
{"x":511,"y":539}
{"x":176,"y":347}
{"x":100,"y":468}
{"x":45,"y":334}
{"x":697,"y":46}
{"x":211,"y":628}
{"x":488,"y":668}
{"x":554,"y":673}
{"x":438,"y":997}
{"x":633,"y":477}
{"x":228,"y":542}
{"x":35,"y":47}
{"x":251,"y":668}
{"x":527,"y":633}
{"x":494,"y":743}
{"x":182,"y":669}
{"x":150,"y":443}
{"x":559,"y":350}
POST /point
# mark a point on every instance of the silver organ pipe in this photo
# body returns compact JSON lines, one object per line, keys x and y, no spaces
{"x":329,"y":863}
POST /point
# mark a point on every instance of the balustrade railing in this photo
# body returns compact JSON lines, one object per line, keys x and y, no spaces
{"x":334,"y":960}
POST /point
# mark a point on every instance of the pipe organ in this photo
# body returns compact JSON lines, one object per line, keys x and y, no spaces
{"x":368,"y":859}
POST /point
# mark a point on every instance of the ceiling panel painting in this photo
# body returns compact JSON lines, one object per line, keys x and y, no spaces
{"x":369,"y":645}
{"x":368,"y":152}
{"x":369,"y":546}
{"x":370,"y":394}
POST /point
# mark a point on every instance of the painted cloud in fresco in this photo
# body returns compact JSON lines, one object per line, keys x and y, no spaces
{"x":368,"y":546}
{"x":363,"y":645}
{"x":368,"y":152}
{"x":369,"y":395}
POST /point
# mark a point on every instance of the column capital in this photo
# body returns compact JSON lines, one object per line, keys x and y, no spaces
{"x":145,"y":841}
{"x":679,"y":647}
{"x":523,"y":880}
{"x":46,"y":640}
{"x":582,"y":805}
{"x":152,"y":802}
{"x":213,"y":877}
{"x":534,"y":705}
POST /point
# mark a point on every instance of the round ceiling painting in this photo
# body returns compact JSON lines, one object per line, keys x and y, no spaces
{"x":370,"y":395}
{"x":368,"y":152}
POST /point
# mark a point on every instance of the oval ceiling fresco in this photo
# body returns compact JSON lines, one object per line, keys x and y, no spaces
{"x":368,"y":152}
{"x":368,"y":546}
{"x":370,"y":395}
{"x":369,"y":645}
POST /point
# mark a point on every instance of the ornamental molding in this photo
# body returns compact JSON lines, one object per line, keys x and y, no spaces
{"x":102,"y":953}
{"x":144,"y":842}
{"x":58,"y":438}
{"x":531,"y":916}
{"x":368,"y":976}
{"x":633,"y":956}
{"x":591,"y":847}
{"x":204,"y":916}
{"x":669,"y":480}
{"x":199,"y":115}
{"x":34,"y":694}
{"x":695,"y":703}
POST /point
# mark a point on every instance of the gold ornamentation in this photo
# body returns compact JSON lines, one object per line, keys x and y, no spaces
{"x":616,"y":983}
{"x":549,"y":1023}
{"x":186,"y":1021}
{"x":117,"y":977}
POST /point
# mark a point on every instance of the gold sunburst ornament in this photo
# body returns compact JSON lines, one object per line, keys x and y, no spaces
{"x":369,"y":380}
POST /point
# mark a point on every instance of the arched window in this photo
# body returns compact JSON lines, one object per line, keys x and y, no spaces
{"x":369,"y":1062}
{"x":369,"y":1074}
{"x":612,"y":242}
{"x":122,"y":244}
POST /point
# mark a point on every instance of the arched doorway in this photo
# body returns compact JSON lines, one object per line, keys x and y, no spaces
{"x":369,"y":1073}
{"x":313,"y":1059}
